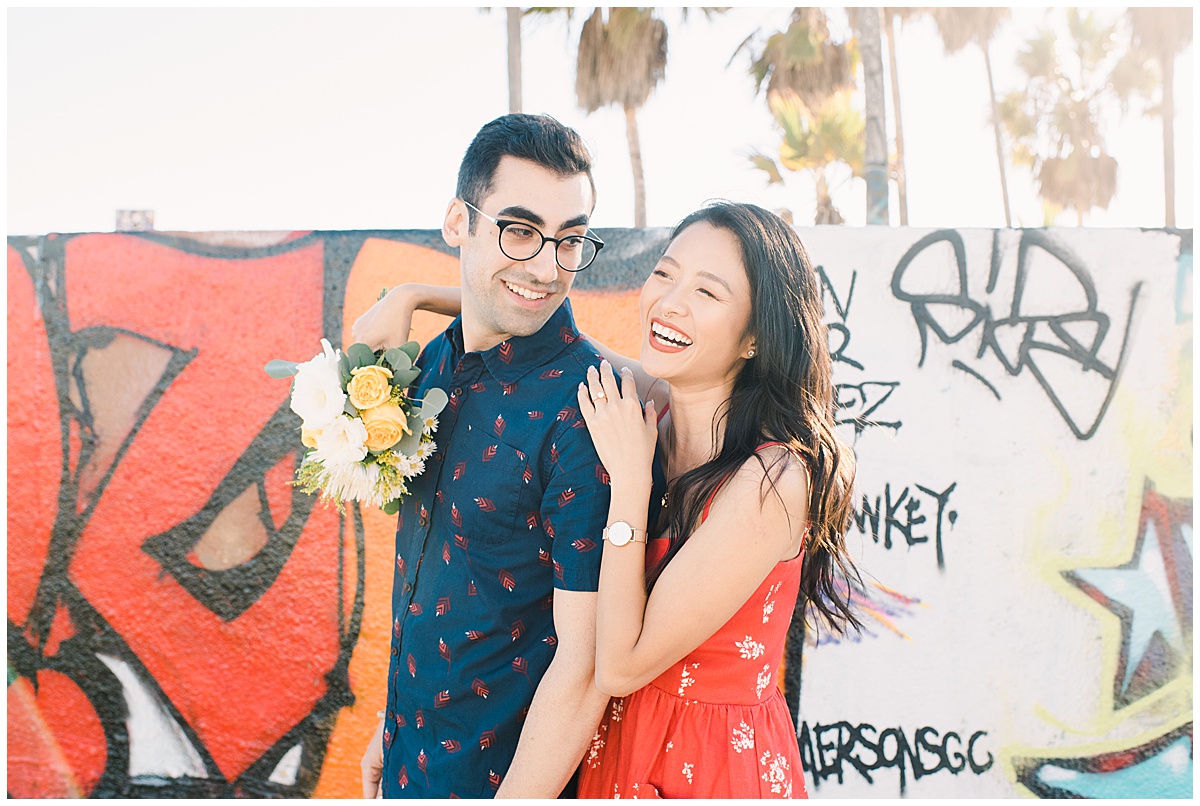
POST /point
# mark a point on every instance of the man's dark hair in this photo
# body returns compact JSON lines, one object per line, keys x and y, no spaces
{"x":538,"y":138}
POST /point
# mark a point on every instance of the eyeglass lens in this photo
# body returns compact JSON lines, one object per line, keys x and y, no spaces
{"x":521,"y":242}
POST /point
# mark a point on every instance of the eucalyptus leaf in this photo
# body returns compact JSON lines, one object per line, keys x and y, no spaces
{"x":391,"y":507}
{"x":278,"y":368}
{"x":344,"y":369}
{"x":397,"y":359}
{"x":409,"y":442}
{"x":349,"y":408}
{"x":412,"y":349}
{"x":360,"y":355}
{"x":405,"y":377}
{"x":435,"y":400}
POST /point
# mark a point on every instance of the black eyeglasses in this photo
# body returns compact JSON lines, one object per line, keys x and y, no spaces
{"x":521,"y":241}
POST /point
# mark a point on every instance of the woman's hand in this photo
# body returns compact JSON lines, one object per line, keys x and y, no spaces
{"x":387,"y":322}
{"x":623,"y":434}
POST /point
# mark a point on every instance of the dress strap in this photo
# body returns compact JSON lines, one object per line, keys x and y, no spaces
{"x":665,"y":407}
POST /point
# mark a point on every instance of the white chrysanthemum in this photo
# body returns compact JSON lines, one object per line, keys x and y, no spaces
{"x":342,"y":442}
{"x":429,"y":425}
{"x":317,"y":394}
{"x":425,"y":450}
{"x":354,"y":482}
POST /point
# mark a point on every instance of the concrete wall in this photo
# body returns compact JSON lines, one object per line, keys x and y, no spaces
{"x":181,"y":622}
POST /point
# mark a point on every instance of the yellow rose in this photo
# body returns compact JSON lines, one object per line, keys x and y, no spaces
{"x":308,"y":436}
{"x":385,"y":424}
{"x":369,"y":387}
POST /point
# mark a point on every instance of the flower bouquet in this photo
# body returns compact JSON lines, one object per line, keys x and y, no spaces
{"x":367,"y":439}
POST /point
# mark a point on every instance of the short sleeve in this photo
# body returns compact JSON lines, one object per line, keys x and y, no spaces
{"x":575,"y":506}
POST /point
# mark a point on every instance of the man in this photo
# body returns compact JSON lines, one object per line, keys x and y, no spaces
{"x":491,"y":677}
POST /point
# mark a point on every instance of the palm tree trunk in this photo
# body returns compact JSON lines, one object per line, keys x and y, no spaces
{"x":1168,"y":119}
{"x":635,"y":160}
{"x":901,"y":180}
{"x":987,"y":61}
{"x":514,"y":59}
{"x":875,"y":148}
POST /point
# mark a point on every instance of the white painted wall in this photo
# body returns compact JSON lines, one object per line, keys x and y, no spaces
{"x":1001,"y":642}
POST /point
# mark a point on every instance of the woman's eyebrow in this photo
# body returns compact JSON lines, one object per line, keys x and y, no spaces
{"x":716,"y":279}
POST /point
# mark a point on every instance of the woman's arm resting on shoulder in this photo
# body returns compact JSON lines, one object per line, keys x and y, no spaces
{"x":387,"y":322}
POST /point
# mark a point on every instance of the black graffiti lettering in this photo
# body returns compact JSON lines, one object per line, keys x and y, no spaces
{"x":822,"y":747}
{"x":873,"y":745}
{"x":1032,"y":334}
{"x":839,"y":354}
{"x":896,"y":760}
{"x":827,"y":288}
{"x":942,"y":498}
{"x":901,"y":513}
{"x":858,"y":402}
{"x":958,"y":756}
{"x":866,"y":515}
{"x":891,"y":520}
{"x":939,"y":752}
{"x":976,"y":767}
{"x":825,"y":749}
{"x":914,"y":520}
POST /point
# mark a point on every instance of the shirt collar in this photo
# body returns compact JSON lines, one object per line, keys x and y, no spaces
{"x":511,"y":359}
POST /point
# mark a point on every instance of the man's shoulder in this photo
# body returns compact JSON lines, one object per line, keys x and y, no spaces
{"x":579,"y":355}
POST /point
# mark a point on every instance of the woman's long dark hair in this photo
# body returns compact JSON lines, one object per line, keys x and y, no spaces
{"x":784,"y":393}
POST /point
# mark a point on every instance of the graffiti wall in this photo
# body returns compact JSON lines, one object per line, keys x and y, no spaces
{"x":181,"y":622}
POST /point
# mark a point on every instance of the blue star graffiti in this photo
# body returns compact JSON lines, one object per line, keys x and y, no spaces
{"x":1151,"y":596}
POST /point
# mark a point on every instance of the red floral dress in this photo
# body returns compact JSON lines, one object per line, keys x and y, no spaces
{"x":714,"y":725}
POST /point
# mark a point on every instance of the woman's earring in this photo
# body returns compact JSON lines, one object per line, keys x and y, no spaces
{"x":750,"y":354}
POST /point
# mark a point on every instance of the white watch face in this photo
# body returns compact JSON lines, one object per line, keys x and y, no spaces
{"x":620,"y":533}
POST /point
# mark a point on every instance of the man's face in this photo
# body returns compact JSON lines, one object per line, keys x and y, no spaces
{"x":503,"y":297}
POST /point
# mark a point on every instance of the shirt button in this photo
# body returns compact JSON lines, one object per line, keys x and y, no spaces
{"x":458,"y":391}
{"x":394,"y":652}
{"x":423,"y":522}
{"x":407,"y":587}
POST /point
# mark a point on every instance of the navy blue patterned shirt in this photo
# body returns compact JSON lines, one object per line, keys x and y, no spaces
{"x":510,"y":507}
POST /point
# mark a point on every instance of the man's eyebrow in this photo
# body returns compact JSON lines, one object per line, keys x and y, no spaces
{"x":525,"y":214}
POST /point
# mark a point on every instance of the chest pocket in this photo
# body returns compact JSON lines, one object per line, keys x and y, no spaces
{"x":485,"y":488}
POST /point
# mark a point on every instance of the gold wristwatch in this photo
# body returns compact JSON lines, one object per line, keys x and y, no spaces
{"x":619,"y":533}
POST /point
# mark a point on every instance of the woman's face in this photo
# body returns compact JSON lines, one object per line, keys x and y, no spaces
{"x":695,"y":309}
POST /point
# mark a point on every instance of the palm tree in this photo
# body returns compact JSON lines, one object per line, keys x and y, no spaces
{"x":620,"y":61}
{"x":865,"y":22}
{"x":960,"y":27}
{"x":1163,"y":33}
{"x":621,"y":58}
{"x":809,"y":79}
{"x":813,"y":139}
{"x":803,"y":59}
{"x":892,"y":17}
{"x":1055,"y":119}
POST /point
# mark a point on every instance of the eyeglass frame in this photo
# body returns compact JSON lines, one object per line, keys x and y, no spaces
{"x":502,"y":223}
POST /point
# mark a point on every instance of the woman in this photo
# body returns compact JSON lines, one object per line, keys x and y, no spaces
{"x":691,"y":624}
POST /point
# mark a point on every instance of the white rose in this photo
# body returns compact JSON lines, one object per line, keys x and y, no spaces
{"x":342,"y":442}
{"x":317,"y":394}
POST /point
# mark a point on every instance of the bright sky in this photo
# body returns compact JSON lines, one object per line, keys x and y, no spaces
{"x":281,"y":119}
